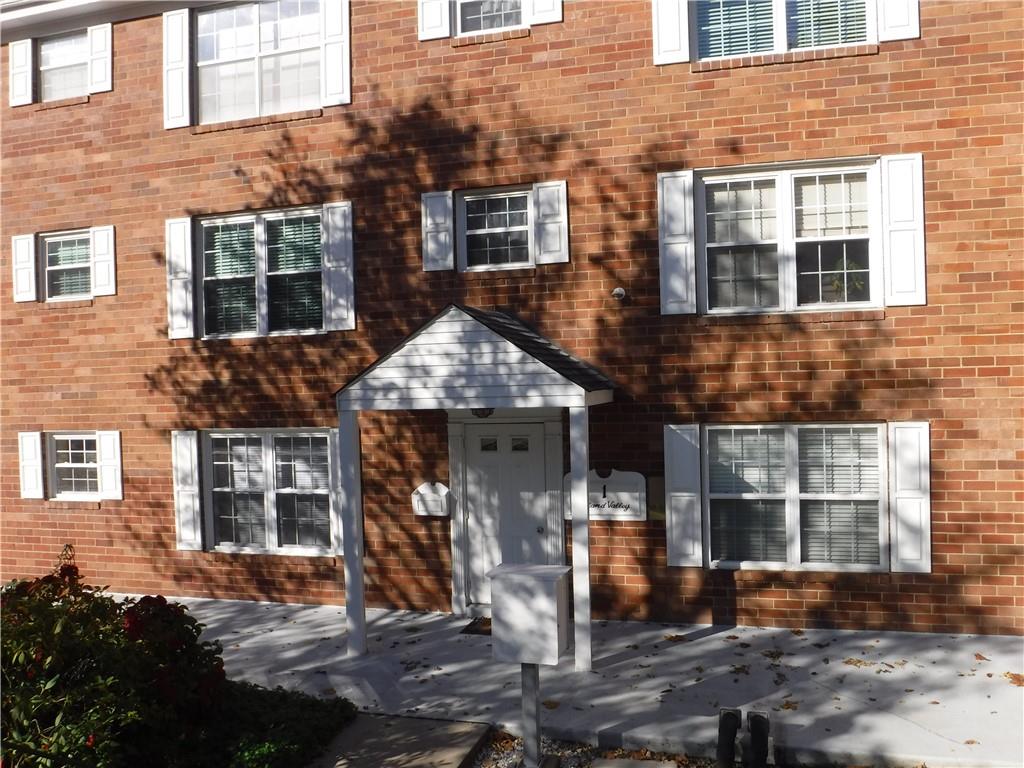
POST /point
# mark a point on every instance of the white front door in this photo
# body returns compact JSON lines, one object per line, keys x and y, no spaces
{"x":506,"y":500}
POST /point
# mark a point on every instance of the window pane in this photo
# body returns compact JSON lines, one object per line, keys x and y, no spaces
{"x":832,"y":271}
{"x":289,"y":24}
{"x":295,"y":302}
{"x":747,"y":461}
{"x":748,"y":530}
{"x":290,"y":82}
{"x":229,"y":306}
{"x":497,"y":230}
{"x":825,"y":22}
{"x":242,"y":461}
{"x":479,"y":15}
{"x":239,"y":518}
{"x":301,"y":463}
{"x":67,"y":251}
{"x":839,"y":532}
{"x":64,"y":82}
{"x":77,"y":480}
{"x":226,"y":33}
{"x":740,"y":211}
{"x":303,"y":520}
{"x":68,"y":282}
{"x":734,"y":27}
{"x":743,"y":277}
{"x":839,"y":460}
{"x":227,"y":91}
{"x":832,"y":205}
{"x":64,"y":50}
{"x":293,"y":243}
{"x":229,"y":249}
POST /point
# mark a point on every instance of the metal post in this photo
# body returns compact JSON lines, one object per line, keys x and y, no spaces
{"x":531,"y":716}
{"x":352,"y":525}
{"x":579,"y":469}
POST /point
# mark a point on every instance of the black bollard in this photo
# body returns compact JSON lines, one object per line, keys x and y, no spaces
{"x":729,"y":721}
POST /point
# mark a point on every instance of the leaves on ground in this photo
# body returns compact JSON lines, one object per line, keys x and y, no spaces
{"x":677,"y":638}
{"x":981,"y":657}
{"x":972,"y":741}
{"x":852,"y":662}
{"x":797,"y":632}
{"x":732,"y":637}
{"x":740,"y":669}
{"x":790,"y":704}
{"x":1015,"y":678}
{"x":774,"y":654}
{"x":551,"y":704}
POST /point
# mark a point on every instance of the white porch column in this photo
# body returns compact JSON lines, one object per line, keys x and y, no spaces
{"x":352,"y":531}
{"x":579,"y":470}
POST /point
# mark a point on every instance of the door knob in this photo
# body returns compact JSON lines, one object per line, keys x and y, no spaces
{"x":540,"y":529}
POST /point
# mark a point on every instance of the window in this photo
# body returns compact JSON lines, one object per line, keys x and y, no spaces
{"x":489,"y":229}
{"x":70,"y":465}
{"x":262,"y":274}
{"x":258,"y":59}
{"x":74,"y":469}
{"x":789,"y":239}
{"x":795,"y":495}
{"x":60,"y":67}
{"x":71,"y":265}
{"x":488,"y":15}
{"x":269,"y":490}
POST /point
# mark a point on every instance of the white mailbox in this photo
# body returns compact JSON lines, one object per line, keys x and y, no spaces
{"x":529,"y":612}
{"x":431,"y":500}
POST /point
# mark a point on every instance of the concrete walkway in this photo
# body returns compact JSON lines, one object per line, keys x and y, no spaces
{"x":891,"y":698}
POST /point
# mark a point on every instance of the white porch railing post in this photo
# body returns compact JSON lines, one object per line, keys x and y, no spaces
{"x":352,"y":531}
{"x":579,"y":469}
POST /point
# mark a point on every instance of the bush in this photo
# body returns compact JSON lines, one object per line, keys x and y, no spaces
{"x":90,"y":681}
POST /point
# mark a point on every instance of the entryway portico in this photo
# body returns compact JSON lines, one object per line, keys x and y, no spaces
{"x":466,"y":360}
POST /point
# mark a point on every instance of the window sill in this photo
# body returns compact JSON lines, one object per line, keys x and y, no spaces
{"x":799,"y":567}
{"x":249,"y":338}
{"x":252,"y":122}
{"x":490,"y":37}
{"x":795,"y":318}
{"x":289,"y":552}
{"x":76,"y":505}
{"x":68,"y":303}
{"x":789,"y":57}
{"x":70,"y":102}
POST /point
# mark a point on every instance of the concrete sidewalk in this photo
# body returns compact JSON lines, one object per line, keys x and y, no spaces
{"x":882,"y":698}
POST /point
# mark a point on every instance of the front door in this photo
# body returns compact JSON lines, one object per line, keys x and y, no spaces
{"x":506,"y":502}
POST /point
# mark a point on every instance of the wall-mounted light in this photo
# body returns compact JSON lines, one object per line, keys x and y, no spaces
{"x":619,"y":293}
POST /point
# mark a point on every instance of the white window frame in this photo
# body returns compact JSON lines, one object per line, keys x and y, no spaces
{"x":44,"y":267}
{"x":461,"y":245}
{"x":40,"y":69}
{"x":784,"y":176}
{"x":257,"y":58}
{"x":51,"y":466}
{"x":266,"y":436}
{"x":793,"y":497}
{"x":457,"y":5}
{"x":780,"y":34}
{"x":259,"y":221}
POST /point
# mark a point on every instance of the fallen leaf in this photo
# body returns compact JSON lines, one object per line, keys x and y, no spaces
{"x":677,"y":638}
{"x":774,"y":654}
{"x":732,"y":637}
{"x":740,"y":669}
{"x":971,"y":741}
{"x":933,"y":702}
{"x":550,"y":704}
{"x":797,"y":632}
{"x":787,"y":704}
{"x":858,"y":662}
{"x":1015,"y":678}
{"x":979,"y":657}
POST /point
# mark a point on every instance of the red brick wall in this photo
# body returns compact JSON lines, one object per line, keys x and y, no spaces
{"x":580,"y":100}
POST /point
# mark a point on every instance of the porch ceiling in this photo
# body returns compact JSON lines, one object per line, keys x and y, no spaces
{"x":471,"y":358}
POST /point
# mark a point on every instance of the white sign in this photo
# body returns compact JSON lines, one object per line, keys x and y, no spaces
{"x":618,"y":496}
{"x":431,"y":500}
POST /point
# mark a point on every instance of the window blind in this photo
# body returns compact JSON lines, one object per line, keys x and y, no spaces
{"x":825,"y":22}
{"x":748,"y":530}
{"x":294,"y":258}
{"x":839,"y":532}
{"x":734,"y":27}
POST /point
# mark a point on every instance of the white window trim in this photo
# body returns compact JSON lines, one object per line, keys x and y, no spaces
{"x":44,"y":268}
{"x":793,"y":497}
{"x":50,"y":457}
{"x":457,"y":21}
{"x":460,"y":227}
{"x":256,"y":57}
{"x":262,"y":305}
{"x":270,"y":497}
{"x":784,"y":175}
{"x":781,"y":35}
{"x":40,"y":69}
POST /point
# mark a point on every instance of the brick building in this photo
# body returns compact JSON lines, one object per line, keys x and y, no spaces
{"x":760,"y":260}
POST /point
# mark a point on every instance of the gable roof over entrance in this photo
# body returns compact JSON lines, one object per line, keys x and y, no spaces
{"x":471,"y":358}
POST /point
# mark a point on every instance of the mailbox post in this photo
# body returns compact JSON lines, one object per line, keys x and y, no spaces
{"x":530,"y":626}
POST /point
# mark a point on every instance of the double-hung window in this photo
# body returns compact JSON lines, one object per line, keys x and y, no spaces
{"x":63,"y":66}
{"x":70,"y":465}
{"x":464,"y":18}
{"x":64,"y":266}
{"x":262,"y":273}
{"x":495,"y":229}
{"x":475,"y":16}
{"x":268,"y":490}
{"x":68,"y":265}
{"x":792,"y":495}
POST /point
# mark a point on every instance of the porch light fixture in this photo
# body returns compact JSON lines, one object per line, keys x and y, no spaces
{"x":482,"y":413}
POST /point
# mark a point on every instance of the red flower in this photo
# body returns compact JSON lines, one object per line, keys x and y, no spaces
{"x":90,"y":742}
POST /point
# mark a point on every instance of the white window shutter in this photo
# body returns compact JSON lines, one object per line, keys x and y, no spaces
{"x":903,"y":229}
{"x":434,"y":19}
{"x":682,"y":495}
{"x":20,"y":72}
{"x":23,"y":257}
{"x":898,"y":19}
{"x":334,"y":466}
{"x":335,"y":71}
{"x":108,"y":457}
{"x":676,"y":243}
{"x":671,"y":22}
{"x":30,"y":464}
{"x":104,"y":273}
{"x":177,"y":69}
{"x":551,"y":222}
{"x":338,"y":268}
{"x":438,"y":231}
{"x":910,"y":539}
{"x":178,"y":252}
{"x":187,"y":511}
{"x":544,"y":11}
{"x":100,"y":40}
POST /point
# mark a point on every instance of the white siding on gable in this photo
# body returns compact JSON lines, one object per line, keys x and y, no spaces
{"x":456,"y":362}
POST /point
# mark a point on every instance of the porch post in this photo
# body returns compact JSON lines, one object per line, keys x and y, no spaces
{"x":352,"y":531}
{"x":579,"y":469}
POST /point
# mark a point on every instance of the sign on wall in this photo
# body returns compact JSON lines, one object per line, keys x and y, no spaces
{"x":618,"y":496}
